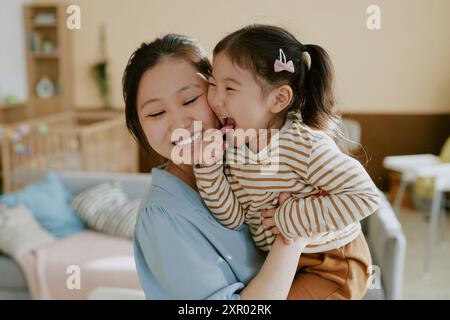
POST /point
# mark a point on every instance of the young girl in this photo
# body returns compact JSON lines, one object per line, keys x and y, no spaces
{"x":264,"y":78}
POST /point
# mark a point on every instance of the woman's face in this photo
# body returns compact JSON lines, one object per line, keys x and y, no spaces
{"x":172,"y":95}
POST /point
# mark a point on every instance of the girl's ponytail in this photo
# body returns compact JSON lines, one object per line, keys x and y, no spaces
{"x":316,"y":91}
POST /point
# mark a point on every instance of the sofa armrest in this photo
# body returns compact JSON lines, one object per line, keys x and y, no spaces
{"x":387,"y":244}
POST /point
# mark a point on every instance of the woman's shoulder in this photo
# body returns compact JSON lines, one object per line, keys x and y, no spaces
{"x":160,"y":213}
{"x":169,"y":191}
{"x":158,"y":201}
{"x":170,"y":199}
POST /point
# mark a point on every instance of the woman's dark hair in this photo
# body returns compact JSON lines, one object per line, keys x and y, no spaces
{"x":146,"y":57}
{"x":256,"y":47}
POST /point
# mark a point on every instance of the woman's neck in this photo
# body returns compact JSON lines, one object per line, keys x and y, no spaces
{"x":184,"y":172}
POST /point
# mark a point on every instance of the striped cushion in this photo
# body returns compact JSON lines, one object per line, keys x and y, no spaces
{"x":106,"y":208}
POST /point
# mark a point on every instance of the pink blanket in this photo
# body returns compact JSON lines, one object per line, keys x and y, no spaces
{"x":70,"y":268}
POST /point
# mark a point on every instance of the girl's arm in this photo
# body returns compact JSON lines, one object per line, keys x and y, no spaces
{"x":345,"y":194}
{"x":217,"y":194}
{"x":212,"y":183}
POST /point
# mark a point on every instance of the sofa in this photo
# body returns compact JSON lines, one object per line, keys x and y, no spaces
{"x":382,"y":229}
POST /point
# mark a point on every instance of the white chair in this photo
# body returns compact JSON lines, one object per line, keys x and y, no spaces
{"x":407,"y":166}
{"x":412,"y":167}
{"x":441,"y":175}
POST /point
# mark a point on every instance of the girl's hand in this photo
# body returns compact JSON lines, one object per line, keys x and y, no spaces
{"x":213,"y":147}
{"x":269,"y":220}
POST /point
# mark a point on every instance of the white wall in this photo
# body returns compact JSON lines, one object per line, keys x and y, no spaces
{"x":13,"y":74}
{"x":402,"y":68}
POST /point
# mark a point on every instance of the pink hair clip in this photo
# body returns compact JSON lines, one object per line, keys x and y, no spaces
{"x":281,"y":64}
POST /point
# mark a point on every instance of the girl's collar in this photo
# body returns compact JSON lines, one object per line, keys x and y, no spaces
{"x":264,"y":155}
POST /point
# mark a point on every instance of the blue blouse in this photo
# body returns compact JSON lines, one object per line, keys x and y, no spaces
{"x":182,"y":252}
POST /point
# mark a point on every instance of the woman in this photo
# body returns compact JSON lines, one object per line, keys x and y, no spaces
{"x":181,"y":251}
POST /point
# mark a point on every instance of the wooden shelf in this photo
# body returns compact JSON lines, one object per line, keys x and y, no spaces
{"x":41,"y":25}
{"x":48,"y":55}
{"x":45,"y":55}
{"x":11,"y":106}
{"x":12,"y":112}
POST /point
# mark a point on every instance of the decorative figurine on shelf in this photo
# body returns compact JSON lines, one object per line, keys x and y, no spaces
{"x":45,"y":19}
{"x":35,"y":42}
{"x":44,"y":88}
{"x":48,"y":47}
{"x":100,"y":70}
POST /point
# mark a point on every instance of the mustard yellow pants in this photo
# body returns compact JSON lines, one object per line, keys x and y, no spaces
{"x":337,"y":274}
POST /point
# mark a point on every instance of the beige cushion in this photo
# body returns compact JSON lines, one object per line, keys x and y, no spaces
{"x":20,"y":232}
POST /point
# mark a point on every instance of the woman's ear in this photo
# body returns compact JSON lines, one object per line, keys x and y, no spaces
{"x":282,"y":97}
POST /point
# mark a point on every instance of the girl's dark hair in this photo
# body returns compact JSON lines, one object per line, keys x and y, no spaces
{"x":146,"y":57}
{"x":256,"y":47}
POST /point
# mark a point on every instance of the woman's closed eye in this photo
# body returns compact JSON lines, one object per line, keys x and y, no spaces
{"x":191,"y":101}
{"x":157,"y":114}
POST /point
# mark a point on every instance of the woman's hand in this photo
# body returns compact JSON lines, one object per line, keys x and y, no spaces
{"x":269,"y":222}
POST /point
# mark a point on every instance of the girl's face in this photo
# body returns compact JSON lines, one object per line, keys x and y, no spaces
{"x":172,"y":95}
{"x":236,"y":97}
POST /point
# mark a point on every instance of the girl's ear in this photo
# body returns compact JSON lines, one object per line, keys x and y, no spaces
{"x":282,"y":97}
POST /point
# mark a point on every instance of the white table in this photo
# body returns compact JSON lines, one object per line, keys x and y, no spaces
{"x":412,"y":167}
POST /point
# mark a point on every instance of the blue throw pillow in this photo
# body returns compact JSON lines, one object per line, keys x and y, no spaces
{"x":48,"y":200}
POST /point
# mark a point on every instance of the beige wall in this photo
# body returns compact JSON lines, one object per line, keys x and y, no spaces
{"x":402,"y":68}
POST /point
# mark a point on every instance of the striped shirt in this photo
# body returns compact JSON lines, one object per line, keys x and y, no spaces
{"x":331,"y":191}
